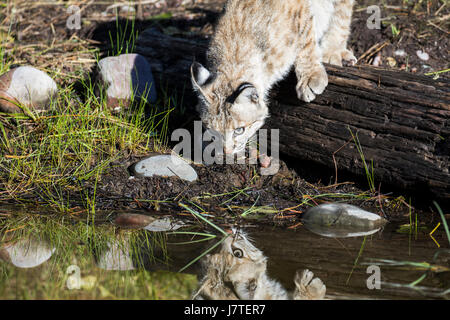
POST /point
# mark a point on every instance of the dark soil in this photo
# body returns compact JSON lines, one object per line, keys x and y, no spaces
{"x":422,"y":26}
{"x":418,"y":30}
{"x":226,"y":191}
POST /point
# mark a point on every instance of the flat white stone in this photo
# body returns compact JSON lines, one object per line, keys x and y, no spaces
{"x":29,"y":253}
{"x":166,"y":166}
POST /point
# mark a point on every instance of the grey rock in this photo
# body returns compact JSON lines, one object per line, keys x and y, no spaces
{"x":166,"y":166}
{"x":28,"y":87}
{"x":125,"y":77}
{"x":342,"y":220}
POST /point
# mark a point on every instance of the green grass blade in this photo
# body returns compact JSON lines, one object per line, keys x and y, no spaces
{"x":198,"y":215}
{"x":204,"y":253}
{"x":444,"y":221}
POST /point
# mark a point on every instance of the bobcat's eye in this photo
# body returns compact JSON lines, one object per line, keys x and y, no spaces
{"x":254,"y":97}
{"x":238,"y":253}
{"x":239,"y":131}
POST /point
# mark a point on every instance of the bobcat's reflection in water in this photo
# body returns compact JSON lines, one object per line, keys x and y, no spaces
{"x":239,"y":271}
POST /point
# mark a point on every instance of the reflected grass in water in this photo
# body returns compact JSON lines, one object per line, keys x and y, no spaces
{"x":431,"y":268}
{"x":50,"y":283}
{"x":79,"y":244}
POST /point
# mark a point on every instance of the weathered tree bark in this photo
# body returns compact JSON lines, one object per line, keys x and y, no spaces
{"x":402,"y":121}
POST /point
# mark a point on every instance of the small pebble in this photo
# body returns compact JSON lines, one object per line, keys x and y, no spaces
{"x":400,"y":53}
{"x":422,"y":55}
{"x":391,"y":62}
{"x":377,"y":61}
{"x":127,"y":9}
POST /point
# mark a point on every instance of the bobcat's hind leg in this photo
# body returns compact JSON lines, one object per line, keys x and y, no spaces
{"x":339,"y":57}
{"x":307,"y":287}
{"x":334,"y":42}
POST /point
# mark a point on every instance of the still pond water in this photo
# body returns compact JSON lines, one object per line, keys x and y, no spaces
{"x":65,"y":260}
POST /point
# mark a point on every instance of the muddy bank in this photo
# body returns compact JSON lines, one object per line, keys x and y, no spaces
{"x":227,"y":191}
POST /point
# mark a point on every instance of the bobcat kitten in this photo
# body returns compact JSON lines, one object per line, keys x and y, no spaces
{"x":239,"y":271}
{"x":255,"y":44}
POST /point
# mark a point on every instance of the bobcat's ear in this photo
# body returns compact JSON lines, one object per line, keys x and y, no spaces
{"x":199,"y":75}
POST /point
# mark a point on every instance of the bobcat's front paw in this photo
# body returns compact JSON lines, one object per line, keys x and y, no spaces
{"x":311,"y":84}
{"x":308,"y":287}
{"x":339,"y":57}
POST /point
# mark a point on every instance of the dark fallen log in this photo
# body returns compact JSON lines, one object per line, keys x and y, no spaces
{"x":401,"y":120}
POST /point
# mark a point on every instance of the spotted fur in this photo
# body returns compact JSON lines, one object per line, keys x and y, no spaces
{"x":239,"y":272}
{"x":256,"y":42}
